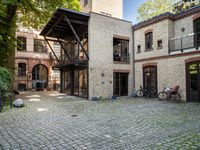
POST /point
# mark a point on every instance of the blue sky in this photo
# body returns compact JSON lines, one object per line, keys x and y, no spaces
{"x":130,"y":9}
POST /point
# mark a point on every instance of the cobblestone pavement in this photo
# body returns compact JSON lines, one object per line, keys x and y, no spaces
{"x":56,"y":121}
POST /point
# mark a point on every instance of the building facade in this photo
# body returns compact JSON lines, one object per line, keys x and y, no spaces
{"x":97,"y":57}
{"x":33,"y":63}
{"x":166,"y":50}
{"x":113,"y":8}
{"x":105,"y":56}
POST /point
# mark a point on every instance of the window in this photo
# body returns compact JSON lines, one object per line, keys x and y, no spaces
{"x":21,"y":87}
{"x":120,"y":50}
{"x":85,"y":2}
{"x":149,"y":41}
{"x":139,"y":49}
{"x":21,"y":44}
{"x":21,"y":69}
{"x":40,"y":46}
{"x":160,"y":44}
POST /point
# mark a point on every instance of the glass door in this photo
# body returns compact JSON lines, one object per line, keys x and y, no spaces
{"x":193,"y":81}
{"x":120,"y":84}
{"x":150,"y":78}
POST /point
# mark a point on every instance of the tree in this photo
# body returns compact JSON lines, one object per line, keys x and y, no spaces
{"x":152,"y":8}
{"x":29,"y":13}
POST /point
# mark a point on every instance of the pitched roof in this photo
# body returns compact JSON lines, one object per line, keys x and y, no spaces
{"x":166,"y":15}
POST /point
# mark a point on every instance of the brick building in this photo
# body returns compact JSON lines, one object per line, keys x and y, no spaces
{"x":104,"y":56}
{"x":34,"y":61}
{"x":166,"y":53}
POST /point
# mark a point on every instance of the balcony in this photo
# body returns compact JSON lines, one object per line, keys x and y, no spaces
{"x":187,"y":43}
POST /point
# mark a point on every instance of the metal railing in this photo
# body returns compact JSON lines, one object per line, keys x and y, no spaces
{"x":121,"y":57}
{"x":184,"y":43}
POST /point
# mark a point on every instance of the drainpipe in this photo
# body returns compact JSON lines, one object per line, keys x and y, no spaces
{"x":133,"y":61}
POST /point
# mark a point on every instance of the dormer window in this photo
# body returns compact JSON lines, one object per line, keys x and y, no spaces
{"x":149,"y":41}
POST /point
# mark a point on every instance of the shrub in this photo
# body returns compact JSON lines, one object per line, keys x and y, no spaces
{"x":5,"y":80}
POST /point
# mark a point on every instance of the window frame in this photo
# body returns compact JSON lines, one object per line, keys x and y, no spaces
{"x":121,"y":50}
{"x":149,"y":41}
{"x":139,"y":49}
{"x":20,"y":87}
{"x":21,"y":45}
{"x":160,"y":47}
{"x":43,"y":46}
{"x":22,"y":69}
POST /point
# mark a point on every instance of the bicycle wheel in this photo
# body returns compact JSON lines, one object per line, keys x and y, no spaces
{"x":139,"y":93}
{"x":162,"y":96}
{"x":175,"y":97}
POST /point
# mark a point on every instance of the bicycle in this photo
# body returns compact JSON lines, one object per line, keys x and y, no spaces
{"x":169,"y":94}
{"x":145,"y":93}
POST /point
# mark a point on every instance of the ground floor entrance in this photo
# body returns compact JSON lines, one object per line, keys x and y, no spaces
{"x":40,"y":77}
{"x":193,"y":81}
{"x":150,"y":79}
{"x":120,"y":85}
{"x":75,"y":82}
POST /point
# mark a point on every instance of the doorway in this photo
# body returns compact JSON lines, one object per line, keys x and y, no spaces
{"x":40,"y":77}
{"x":120,"y":84}
{"x":75,"y":82}
{"x":193,"y":81}
{"x":150,"y":78}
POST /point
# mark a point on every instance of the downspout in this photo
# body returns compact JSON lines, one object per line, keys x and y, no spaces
{"x":133,"y":61}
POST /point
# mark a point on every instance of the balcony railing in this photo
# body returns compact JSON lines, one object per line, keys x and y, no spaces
{"x":121,"y":57}
{"x":184,"y":43}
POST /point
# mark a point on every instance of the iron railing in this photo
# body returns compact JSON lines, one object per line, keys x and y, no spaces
{"x":121,"y":57}
{"x":184,"y":43}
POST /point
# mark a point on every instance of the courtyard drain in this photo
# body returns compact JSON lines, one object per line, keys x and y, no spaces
{"x":74,"y":116}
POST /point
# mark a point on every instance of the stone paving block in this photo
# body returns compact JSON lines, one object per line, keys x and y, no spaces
{"x":125,"y":124}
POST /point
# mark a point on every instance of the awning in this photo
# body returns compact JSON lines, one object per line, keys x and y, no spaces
{"x":57,"y":27}
{"x":66,"y":25}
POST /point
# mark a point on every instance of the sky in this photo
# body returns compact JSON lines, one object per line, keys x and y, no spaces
{"x":130,"y":9}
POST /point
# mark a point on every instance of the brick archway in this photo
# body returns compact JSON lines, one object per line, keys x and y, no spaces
{"x":149,"y":64}
{"x":40,"y":77}
{"x":192,"y":59}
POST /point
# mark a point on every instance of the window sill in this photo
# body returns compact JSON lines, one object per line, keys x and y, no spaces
{"x":21,"y":51}
{"x":121,"y":62}
{"x":21,"y":76}
{"x":147,"y":50}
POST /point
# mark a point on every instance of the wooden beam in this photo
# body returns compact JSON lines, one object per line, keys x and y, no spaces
{"x":51,"y":29}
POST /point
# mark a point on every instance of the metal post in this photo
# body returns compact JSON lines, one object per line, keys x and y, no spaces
{"x":64,"y":49}
{"x":181,"y":45}
{"x":76,"y":36}
{"x":52,"y":49}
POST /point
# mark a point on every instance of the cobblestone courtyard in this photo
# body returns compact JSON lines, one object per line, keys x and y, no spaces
{"x":56,"y":121}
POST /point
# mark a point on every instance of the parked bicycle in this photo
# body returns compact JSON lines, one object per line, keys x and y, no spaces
{"x":151,"y":93}
{"x":170,"y":94}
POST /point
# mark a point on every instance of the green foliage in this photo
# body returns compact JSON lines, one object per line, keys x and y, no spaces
{"x":27,"y":13}
{"x":5,"y":79}
{"x":36,"y":13}
{"x":184,"y":5}
{"x":152,"y":8}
